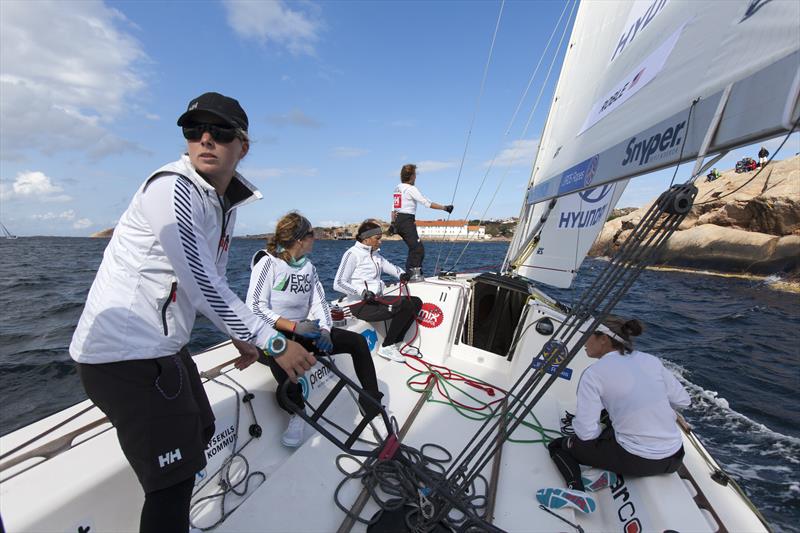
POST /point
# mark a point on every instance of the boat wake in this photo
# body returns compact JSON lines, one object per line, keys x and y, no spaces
{"x":763,"y":461}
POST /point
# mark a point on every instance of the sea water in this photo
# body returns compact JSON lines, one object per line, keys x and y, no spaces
{"x":732,"y":342}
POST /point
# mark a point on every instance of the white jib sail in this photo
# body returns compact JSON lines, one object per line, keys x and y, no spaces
{"x":631,"y":75}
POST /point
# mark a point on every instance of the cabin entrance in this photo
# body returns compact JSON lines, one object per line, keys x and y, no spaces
{"x":495,"y":308}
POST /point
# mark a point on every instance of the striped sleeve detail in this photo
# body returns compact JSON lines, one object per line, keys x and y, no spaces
{"x":262,"y":278}
{"x":183,"y":214}
{"x":325,"y":308}
{"x":340,"y":284}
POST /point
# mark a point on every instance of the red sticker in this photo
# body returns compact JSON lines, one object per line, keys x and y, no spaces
{"x":430,"y":316}
{"x":398,"y":200}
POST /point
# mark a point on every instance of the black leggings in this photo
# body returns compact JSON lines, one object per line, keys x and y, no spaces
{"x":344,"y":341}
{"x":568,"y":453}
{"x":402,"y":312}
{"x":167,"y":510}
{"x":406,"y":227}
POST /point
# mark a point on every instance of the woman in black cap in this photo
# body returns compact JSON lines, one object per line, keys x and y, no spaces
{"x":165,"y":262}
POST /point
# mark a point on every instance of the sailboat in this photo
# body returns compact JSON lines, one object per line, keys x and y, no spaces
{"x":644,"y":85}
{"x":7,"y":234}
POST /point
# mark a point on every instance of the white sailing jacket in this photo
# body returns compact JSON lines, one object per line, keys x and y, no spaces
{"x":360,"y":269}
{"x":406,"y":197}
{"x":166,"y":261}
{"x":640,"y":396}
{"x":280,"y":290}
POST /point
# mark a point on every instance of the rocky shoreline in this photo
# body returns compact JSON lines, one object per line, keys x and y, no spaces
{"x":740,"y":224}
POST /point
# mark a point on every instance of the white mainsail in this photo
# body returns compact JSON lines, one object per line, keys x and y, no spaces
{"x":7,"y":234}
{"x":674,"y":80}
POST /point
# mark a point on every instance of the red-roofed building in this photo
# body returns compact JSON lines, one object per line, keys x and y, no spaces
{"x":453,"y":229}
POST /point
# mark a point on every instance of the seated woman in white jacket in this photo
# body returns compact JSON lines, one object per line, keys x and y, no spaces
{"x":285,"y":291}
{"x":359,"y":275}
{"x":641,"y":437}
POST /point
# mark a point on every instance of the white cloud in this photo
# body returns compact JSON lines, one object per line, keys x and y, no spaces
{"x":66,"y":215}
{"x":152,"y":116}
{"x":346,"y":151}
{"x":67,"y":70}
{"x":272,"y":172}
{"x":274,"y":22}
{"x":295,"y":117}
{"x":519,"y":154}
{"x":434,"y":166}
{"x":403,"y":123}
{"x":35,"y":185}
{"x":83,"y":223}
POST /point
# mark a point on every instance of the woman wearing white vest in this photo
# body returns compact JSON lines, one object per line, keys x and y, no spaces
{"x":286,"y":293}
{"x":165,"y":263}
{"x":404,"y":223}
{"x":641,"y":437}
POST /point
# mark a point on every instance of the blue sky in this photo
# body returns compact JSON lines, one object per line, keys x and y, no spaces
{"x":339,"y":94}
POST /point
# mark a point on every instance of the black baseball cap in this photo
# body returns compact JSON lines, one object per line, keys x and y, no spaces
{"x":225,"y":107}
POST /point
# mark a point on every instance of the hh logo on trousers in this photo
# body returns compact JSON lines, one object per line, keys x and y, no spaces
{"x":169,"y":458}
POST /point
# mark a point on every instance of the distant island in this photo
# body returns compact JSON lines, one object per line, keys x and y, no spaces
{"x":739,"y":224}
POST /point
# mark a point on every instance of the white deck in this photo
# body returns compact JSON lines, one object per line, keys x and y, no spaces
{"x":92,"y":485}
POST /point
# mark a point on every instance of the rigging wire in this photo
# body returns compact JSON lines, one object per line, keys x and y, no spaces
{"x":521,"y":137}
{"x":475,"y":112}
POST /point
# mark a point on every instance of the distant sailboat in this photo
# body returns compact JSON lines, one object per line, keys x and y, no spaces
{"x":7,"y":234}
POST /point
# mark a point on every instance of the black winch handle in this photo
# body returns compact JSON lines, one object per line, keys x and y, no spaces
{"x":313,"y":419}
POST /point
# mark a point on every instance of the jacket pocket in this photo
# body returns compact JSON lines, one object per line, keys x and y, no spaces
{"x":173,"y":293}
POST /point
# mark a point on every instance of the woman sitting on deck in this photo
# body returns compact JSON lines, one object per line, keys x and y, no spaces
{"x":284,"y":291}
{"x":359,"y":275}
{"x":641,"y":438}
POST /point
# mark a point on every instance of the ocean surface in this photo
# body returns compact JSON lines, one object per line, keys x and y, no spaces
{"x":732,"y":342}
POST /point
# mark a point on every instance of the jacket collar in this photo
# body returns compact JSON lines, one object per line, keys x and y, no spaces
{"x":365,"y":248}
{"x":240,"y":191}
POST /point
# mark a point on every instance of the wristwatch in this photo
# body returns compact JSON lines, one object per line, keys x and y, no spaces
{"x":276,"y":345}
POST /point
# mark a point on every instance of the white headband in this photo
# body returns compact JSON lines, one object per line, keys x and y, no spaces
{"x":606,"y":331}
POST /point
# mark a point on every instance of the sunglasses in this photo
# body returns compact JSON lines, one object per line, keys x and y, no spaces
{"x":220,"y":134}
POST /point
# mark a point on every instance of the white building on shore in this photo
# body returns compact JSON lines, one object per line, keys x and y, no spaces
{"x":449,"y":229}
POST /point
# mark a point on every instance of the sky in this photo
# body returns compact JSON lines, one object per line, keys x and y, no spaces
{"x":339,"y":94}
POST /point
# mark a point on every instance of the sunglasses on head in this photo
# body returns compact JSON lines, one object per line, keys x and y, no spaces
{"x":221,"y":134}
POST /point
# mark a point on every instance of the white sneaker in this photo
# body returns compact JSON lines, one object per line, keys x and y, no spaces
{"x":293,"y":436}
{"x":391,"y":353}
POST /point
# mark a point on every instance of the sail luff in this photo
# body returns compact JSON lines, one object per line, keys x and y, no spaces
{"x":528,"y":213}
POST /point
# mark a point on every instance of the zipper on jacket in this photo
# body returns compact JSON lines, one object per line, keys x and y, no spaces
{"x":223,"y":244}
{"x":173,"y":296}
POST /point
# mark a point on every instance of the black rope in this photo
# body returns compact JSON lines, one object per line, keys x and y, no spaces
{"x":640,"y":249}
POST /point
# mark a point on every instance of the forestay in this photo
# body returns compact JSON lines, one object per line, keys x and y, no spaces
{"x":632,"y":73}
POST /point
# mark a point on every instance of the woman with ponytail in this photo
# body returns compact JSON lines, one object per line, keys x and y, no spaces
{"x":640,"y":436}
{"x":285,"y":292}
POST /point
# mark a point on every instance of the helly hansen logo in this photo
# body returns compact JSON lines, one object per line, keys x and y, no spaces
{"x":169,"y":458}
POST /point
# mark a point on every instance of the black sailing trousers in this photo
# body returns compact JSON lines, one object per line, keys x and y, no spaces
{"x":568,"y":453}
{"x":344,"y":341}
{"x":401,"y":310}
{"x":406,"y":226}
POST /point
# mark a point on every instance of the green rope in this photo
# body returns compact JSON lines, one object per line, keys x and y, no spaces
{"x":545,"y":434}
